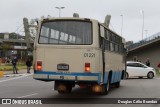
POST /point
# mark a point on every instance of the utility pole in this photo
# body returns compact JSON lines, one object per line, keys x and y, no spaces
{"x":28,"y":36}
{"x":122,"y":25}
{"x":27,"y":33}
{"x":146,"y":33}
{"x":142,"y":12}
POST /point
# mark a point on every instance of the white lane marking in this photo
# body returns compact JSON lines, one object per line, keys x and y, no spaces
{"x":14,"y":78}
{"x":27,"y":95}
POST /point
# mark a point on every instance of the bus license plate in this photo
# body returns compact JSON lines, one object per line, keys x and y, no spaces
{"x":63,"y":67}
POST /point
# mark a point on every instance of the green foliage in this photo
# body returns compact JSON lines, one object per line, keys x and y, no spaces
{"x":9,"y":67}
{"x":158,"y":72}
{"x":5,"y":46}
{"x":1,"y":35}
{"x":12,"y":36}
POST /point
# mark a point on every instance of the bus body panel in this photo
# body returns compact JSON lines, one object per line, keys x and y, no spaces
{"x":115,"y":63}
{"x":75,"y":56}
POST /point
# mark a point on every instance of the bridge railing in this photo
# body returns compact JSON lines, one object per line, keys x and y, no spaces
{"x":144,"y":41}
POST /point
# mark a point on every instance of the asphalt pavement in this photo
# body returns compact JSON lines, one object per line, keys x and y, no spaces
{"x":24,"y":86}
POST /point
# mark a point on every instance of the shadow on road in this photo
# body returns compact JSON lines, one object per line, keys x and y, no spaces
{"x":80,"y":96}
{"x":78,"y":92}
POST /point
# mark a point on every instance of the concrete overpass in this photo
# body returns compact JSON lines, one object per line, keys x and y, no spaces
{"x":13,"y":44}
{"x":147,"y":48}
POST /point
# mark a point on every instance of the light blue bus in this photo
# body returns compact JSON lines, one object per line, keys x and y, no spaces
{"x":78,"y":51}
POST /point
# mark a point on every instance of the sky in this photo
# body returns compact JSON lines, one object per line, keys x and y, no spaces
{"x":13,"y":11}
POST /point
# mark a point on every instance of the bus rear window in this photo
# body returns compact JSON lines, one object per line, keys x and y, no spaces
{"x":66,"y":33}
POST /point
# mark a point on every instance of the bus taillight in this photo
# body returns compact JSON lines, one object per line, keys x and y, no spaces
{"x":39,"y":65}
{"x":87,"y":67}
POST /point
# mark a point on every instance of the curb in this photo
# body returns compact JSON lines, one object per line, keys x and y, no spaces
{"x":16,"y":75}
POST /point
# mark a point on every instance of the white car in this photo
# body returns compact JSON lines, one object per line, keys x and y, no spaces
{"x":137,"y":69}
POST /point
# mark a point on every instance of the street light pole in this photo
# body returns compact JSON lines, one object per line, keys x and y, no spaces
{"x":146,"y":32}
{"x":142,"y":12}
{"x":121,"y":25}
{"x":59,"y":8}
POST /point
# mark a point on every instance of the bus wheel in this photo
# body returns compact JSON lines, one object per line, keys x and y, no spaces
{"x":127,"y":75}
{"x":61,"y":92}
{"x":64,"y":88}
{"x":117,"y":84}
{"x":107,"y":87}
{"x":69,"y":89}
{"x":61,"y":88}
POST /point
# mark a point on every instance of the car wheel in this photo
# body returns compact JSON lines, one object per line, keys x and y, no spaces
{"x":150,"y":75}
{"x":126,"y":75}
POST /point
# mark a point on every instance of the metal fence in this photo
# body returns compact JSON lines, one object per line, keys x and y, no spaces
{"x":144,"y":41}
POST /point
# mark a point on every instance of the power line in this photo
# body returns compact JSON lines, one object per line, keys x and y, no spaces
{"x":112,"y":27}
{"x":18,"y":28}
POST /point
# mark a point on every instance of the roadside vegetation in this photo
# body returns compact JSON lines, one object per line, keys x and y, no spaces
{"x":158,"y":72}
{"x":9,"y":67}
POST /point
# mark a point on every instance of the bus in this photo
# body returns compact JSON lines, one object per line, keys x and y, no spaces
{"x":78,"y":51}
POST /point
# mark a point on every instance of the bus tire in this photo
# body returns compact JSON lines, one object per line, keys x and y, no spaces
{"x":117,"y":84}
{"x":123,"y":73}
{"x":107,"y":87}
{"x":69,"y":89}
{"x":61,"y":92}
{"x":127,"y":75}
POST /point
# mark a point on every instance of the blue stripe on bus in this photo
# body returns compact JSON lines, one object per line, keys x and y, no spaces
{"x":116,"y":76}
{"x":105,"y":77}
{"x":99,"y":75}
{"x":62,"y":73}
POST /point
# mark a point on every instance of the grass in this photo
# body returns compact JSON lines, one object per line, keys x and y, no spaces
{"x":9,"y":67}
{"x":158,"y":72}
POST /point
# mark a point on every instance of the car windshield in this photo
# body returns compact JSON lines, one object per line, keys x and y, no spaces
{"x":62,"y":32}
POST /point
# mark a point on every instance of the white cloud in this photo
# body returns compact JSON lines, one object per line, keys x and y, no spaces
{"x":13,"y":11}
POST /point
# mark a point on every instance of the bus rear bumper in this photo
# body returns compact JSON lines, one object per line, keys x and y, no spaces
{"x":77,"y":77}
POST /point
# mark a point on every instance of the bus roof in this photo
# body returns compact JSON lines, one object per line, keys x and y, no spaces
{"x":67,"y":18}
{"x":78,"y":18}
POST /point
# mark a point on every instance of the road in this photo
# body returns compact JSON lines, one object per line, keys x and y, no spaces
{"x":25,"y":86}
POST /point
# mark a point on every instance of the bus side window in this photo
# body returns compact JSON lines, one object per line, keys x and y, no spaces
{"x":116,"y":48}
{"x":107,"y":34}
{"x":102,"y":31}
{"x":112,"y":46}
{"x":107,"y":45}
{"x":101,"y":36}
{"x":101,"y":42}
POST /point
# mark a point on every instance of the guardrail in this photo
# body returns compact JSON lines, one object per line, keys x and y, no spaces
{"x":144,"y":41}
